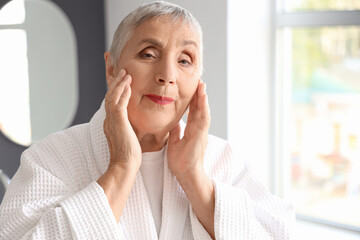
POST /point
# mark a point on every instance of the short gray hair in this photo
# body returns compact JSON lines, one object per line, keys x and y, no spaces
{"x":145,"y":12}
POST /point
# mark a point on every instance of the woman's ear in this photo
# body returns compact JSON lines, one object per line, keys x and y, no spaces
{"x":109,"y":67}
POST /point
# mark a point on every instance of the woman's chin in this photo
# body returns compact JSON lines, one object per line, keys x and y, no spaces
{"x":153,"y":126}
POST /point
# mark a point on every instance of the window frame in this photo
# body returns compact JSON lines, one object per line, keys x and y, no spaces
{"x":282,"y":20}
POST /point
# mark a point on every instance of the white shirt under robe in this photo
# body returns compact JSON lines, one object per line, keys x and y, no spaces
{"x":152,"y":171}
{"x":54,"y":195}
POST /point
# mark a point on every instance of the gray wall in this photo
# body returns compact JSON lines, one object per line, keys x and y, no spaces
{"x":212,"y":17}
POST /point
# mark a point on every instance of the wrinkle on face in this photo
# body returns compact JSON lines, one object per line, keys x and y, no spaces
{"x":173,"y":45}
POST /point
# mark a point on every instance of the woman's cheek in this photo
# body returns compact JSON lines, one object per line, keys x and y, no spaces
{"x":186,"y":97}
{"x":193,"y":86}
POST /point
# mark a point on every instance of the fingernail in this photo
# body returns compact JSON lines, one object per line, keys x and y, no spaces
{"x":122,"y":72}
{"x":127,"y":77}
{"x":205,"y":87}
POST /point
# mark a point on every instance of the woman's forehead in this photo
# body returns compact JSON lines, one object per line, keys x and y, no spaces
{"x":162,"y":29}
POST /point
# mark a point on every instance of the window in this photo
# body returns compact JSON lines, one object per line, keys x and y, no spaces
{"x":318,"y":108}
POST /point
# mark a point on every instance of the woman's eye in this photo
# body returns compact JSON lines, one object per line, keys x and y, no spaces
{"x":185,"y":62}
{"x":147,"y":55}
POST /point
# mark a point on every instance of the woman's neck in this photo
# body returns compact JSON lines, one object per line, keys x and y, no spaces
{"x":152,"y":142}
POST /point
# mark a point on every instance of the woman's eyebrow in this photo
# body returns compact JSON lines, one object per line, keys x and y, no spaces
{"x":152,"y":41}
{"x":158,"y":43}
{"x":189,"y":42}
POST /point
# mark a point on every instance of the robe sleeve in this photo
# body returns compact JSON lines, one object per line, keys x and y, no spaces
{"x":244,"y":209}
{"x":39,"y":205}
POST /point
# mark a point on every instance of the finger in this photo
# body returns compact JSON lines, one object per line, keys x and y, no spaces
{"x":174,"y":135}
{"x":109,"y":99}
{"x":200,"y":99}
{"x":193,"y":105}
{"x":202,"y":113}
{"x":204,"y":109}
{"x":112,"y":99}
{"x":116,"y":80}
{"x":191,"y":108}
{"x":126,"y":94}
{"x":120,"y":90}
{"x":202,"y":86}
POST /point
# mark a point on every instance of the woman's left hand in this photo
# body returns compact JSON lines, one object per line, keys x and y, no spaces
{"x":186,"y":157}
{"x":186,"y":154}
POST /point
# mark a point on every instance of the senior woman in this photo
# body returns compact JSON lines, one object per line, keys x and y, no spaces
{"x":135,"y":171}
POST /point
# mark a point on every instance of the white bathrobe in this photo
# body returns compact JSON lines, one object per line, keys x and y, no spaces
{"x":54,"y":195}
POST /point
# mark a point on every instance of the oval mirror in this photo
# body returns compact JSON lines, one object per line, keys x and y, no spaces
{"x":38,"y":70}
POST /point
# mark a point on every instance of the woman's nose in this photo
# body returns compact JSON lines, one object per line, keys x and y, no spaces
{"x":166,"y":73}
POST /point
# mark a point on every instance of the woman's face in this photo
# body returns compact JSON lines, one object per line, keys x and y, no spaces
{"x":164,"y":61}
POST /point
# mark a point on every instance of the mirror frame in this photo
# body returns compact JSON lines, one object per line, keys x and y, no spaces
{"x":87,"y":18}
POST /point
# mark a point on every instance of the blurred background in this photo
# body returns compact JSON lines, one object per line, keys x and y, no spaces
{"x":283,"y":79}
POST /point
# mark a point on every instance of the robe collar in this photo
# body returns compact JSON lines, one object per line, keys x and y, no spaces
{"x":137,"y":220}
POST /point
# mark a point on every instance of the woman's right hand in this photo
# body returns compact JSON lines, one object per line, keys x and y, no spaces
{"x":124,"y":146}
{"x":123,"y":143}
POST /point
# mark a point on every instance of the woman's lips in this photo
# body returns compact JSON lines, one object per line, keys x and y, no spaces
{"x":159,"y":99}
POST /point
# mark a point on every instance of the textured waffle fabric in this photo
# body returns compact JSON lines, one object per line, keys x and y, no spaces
{"x":54,"y":195}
